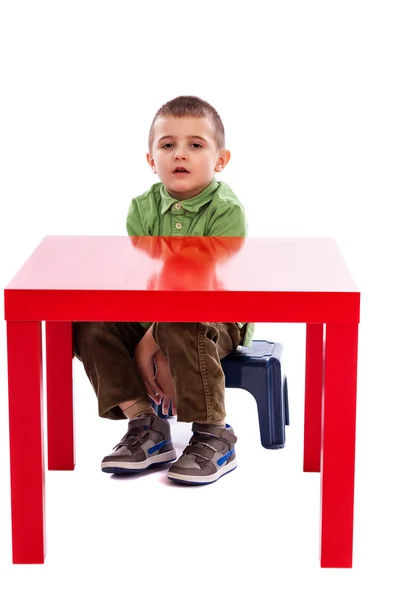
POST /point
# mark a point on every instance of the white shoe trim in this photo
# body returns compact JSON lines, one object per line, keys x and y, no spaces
{"x":143,"y":464}
{"x":206,"y":478}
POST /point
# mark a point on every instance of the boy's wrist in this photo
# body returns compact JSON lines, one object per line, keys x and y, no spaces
{"x":149,"y":342}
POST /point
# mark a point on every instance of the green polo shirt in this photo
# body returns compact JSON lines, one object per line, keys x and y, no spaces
{"x":216,"y":211}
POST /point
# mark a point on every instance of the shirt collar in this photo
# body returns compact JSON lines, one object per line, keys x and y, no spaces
{"x":191,"y":204}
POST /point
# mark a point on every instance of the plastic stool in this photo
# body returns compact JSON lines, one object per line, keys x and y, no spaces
{"x":258,"y":371}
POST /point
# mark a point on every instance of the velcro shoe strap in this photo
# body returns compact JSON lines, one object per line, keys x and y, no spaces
{"x":220,"y":432}
{"x":199,"y":450}
{"x":140,"y":422}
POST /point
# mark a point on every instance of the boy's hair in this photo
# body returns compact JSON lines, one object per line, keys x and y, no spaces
{"x":191,"y":106}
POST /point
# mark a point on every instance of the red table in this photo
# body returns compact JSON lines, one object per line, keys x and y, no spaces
{"x":79,"y":278}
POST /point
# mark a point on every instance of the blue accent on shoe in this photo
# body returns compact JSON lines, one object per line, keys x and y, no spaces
{"x":224,"y":458}
{"x":157,"y":447}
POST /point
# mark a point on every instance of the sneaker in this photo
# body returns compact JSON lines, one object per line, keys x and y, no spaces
{"x":209,"y":455}
{"x":147,"y":442}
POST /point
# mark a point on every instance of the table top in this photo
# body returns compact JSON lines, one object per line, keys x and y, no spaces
{"x":123,"y":263}
{"x":173,"y":265}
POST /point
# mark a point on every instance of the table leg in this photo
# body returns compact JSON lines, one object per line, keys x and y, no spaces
{"x":24,"y":354}
{"x":60,"y":409}
{"x":313,"y":397}
{"x":338,"y":445}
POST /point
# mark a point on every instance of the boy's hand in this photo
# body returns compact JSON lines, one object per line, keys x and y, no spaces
{"x":164,"y":380}
{"x":143,"y":356}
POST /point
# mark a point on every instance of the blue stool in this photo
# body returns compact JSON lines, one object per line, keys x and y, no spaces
{"x":258,"y":371}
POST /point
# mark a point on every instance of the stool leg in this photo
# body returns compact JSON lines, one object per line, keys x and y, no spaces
{"x":261,"y":384}
{"x":158,"y":410}
{"x":264,"y":420}
{"x":313,"y":397}
{"x":60,"y":409}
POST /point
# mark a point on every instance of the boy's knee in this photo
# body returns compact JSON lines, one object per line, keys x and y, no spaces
{"x":175,"y":328}
{"x":183,"y":333}
{"x":83,"y":332}
{"x":167,"y":331}
{"x":170,"y":334}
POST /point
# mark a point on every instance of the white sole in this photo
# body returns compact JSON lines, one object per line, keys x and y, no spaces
{"x":208,"y":478}
{"x":139,"y":466}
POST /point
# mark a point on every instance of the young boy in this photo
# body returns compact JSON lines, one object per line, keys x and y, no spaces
{"x":186,"y":150}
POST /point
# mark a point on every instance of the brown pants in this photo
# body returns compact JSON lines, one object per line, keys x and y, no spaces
{"x":193,"y":351}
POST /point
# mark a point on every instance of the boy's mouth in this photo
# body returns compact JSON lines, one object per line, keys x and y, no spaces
{"x":180,"y":171}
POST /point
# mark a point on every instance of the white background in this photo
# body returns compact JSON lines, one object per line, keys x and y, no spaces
{"x":309,"y":94}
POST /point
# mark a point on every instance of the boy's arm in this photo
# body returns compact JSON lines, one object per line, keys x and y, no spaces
{"x":143,"y":355}
{"x":229,"y":219}
{"x":134,"y":222}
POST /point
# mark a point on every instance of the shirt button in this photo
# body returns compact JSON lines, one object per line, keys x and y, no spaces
{"x":178,"y":226}
{"x":178,"y":206}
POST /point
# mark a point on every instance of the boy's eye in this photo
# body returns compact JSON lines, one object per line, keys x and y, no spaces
{"x":170,"y":144}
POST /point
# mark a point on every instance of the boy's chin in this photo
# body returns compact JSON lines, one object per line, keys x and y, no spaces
{"x":180,"y":185}
{"x":185,"y":187}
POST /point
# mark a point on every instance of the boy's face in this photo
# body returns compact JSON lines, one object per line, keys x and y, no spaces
{"x":187,"y":143}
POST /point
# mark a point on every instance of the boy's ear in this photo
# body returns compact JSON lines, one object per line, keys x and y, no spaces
{"x":150,"y":160}
{"x":223,"y":159}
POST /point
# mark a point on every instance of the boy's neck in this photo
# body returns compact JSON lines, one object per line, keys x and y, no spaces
{"x":194,"y":194}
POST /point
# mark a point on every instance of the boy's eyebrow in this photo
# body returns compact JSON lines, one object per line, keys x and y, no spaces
{"x":198,"y":137}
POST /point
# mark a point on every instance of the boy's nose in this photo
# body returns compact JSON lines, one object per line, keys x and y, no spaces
{"x":180,"y":153}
